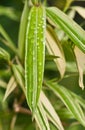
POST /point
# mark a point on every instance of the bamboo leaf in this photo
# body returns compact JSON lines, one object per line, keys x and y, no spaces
{"x":22,"y":30}
{"x":79,"y":99}
{"x":80,"y":59}
{"x":3,"y":83}
{"x":68,"y":100}
{"x":51,"y":57}
{"x":67,"y":5}
{"x":41,"y":118}
{"x":9,"y":12}
{"x":51,"y":113}
{"x":80,"y":10}
{"x":8,"y":41}
{"x":72,"y":29}
{"x":54,"y":48}
{"x":64,"y":113}
{"x":34,"y":56}
{"x":4,"y":54}
{"x":4,"y":59}
{"x":19,"y":76}
{"x":10,"y":87}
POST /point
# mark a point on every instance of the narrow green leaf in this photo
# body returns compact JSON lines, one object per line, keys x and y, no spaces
{"x":65,"y":114}
{"x":54,"y":48}
{"x":51,"y":113}
{"x":9,"y":12}
{"x":79,"y":99}
{"x":41,"y":118}
{"x":67,"y":5}
{"x":4,"y":54}
{"x":10,"y":87}
{"x":51,"y":57}
{"x":74,"y":31}
{"x":19,"y":76}
{"x":22,"y":30}
{"x":8,"y":41}
{"x":34,"y":56}
{"x":69,"y":101}
{"x":80,"y":59}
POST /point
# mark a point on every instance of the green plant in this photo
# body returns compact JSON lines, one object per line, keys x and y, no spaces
{"x":48,"y":41}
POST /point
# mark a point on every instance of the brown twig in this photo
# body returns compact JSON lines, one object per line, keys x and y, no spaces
{"x":20,"y":109}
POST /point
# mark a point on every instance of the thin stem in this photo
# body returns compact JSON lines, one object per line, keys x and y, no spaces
{"x":19,"y":109}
